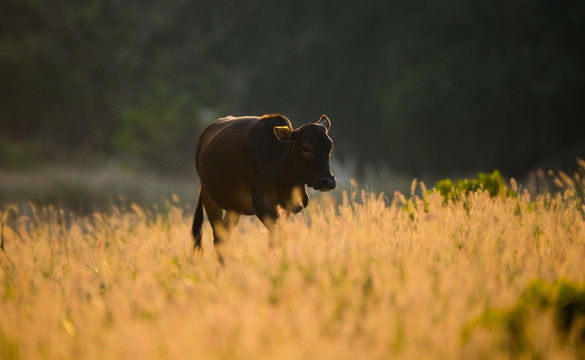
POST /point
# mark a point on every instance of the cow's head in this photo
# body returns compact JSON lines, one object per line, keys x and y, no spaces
{"x":311,"y":147}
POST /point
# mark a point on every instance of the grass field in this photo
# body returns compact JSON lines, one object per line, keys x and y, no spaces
{"x":363,"y":278}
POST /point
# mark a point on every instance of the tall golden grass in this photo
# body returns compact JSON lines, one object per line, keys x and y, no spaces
{"x":366,"y":278}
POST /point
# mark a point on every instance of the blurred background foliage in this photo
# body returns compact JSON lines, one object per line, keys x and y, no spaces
{"x":428,"y":87}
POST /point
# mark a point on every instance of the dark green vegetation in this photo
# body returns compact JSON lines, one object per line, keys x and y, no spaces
{"x":428,"y":86}
{"x":563,"y":301}
{"x":493,"y":183}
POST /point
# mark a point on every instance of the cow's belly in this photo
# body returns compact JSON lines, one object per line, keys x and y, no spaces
{"x":230,"y":192}
{"x":233,"y":199}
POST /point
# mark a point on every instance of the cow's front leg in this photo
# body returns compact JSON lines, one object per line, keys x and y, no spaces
{"x":265,"y":211}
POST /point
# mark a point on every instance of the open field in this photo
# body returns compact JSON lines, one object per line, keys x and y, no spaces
{"x":362,"y":278}
{"x":88,"y":189}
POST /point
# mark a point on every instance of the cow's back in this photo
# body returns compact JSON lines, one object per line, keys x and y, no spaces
{"x":232,"y":152}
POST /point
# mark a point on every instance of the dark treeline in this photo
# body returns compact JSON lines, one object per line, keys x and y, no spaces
{"x":429,"y":86}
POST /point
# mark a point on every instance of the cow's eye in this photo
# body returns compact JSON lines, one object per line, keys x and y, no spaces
{"x":306,"y":149}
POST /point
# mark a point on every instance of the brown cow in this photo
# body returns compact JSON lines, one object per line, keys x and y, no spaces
{"x":253,"y":165}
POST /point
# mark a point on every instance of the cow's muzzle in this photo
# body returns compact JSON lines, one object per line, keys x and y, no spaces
{"x":326,"y":184}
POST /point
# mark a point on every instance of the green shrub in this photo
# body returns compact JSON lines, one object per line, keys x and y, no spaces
{"x":492,"y":183}
{"x":563,"y":300}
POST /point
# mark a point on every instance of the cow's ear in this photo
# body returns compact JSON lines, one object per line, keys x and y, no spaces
{"x":325,"y":122}
{"x":283,"y":133}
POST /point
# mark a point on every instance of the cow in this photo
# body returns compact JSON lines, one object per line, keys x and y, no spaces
{"x":255,"y":166}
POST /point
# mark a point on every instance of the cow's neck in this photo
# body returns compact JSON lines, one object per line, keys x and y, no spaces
{"x":290,"y":169}
{"x":290,"y":191}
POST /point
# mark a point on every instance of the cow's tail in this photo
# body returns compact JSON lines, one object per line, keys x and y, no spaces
{"x":197,"y":223}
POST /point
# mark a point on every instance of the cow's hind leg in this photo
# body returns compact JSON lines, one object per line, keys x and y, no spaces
{"x":214,"y":215}
{"x":197,"y":223}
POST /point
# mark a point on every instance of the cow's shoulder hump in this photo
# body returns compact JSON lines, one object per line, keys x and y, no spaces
{"x":271,"y":120}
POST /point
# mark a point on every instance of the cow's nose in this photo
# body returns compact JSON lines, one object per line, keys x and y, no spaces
{"x":329,"y":182}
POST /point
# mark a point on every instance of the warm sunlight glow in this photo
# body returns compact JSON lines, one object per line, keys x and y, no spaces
{"x":360,"y":279}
